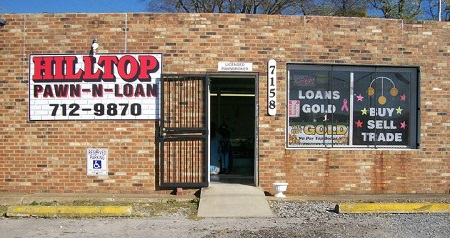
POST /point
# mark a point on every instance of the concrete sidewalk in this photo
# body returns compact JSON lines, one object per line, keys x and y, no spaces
{"x":233,"y":200}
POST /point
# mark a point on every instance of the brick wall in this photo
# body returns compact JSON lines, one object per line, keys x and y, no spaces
{"x":51,"y":156}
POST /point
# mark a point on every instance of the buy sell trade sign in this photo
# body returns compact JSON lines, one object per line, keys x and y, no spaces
{"x":94,"y":87}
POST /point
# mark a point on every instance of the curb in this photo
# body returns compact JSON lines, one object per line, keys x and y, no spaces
{"x":69,"y":211}
{"x":392,"y":208}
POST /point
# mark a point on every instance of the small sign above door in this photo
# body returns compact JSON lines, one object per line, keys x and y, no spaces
{"x":234,"y":66}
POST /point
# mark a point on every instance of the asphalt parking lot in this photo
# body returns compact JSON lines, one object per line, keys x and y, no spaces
{"x":294,"y":217}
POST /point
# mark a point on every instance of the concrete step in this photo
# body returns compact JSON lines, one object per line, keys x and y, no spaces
{"x":233,"y":200}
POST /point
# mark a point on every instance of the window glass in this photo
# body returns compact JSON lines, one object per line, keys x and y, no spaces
{"x":344,"y":106}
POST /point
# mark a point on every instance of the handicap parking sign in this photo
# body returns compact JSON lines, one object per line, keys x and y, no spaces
{"x":97,"y":161}
{"x":97,"y":164}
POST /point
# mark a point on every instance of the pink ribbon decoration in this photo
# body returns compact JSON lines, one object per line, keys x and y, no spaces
{"x":345,"y":106}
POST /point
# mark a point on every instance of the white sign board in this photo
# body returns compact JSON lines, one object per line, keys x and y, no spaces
{"x":272,"y":87}
{"x":235,"y":66}
{"x":97,"y":161}
{"x":94,"y":87}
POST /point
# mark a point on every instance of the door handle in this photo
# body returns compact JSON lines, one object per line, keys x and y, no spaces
{"x":163,"y":133}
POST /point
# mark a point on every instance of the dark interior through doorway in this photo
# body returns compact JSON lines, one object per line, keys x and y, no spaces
{"x":232,"y":103}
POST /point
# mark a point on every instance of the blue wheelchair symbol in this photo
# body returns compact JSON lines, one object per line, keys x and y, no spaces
{"x":97,"y":164}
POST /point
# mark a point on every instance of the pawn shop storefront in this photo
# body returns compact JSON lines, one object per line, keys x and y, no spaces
{"x":122,"y":87}
{"x":328,"y":105}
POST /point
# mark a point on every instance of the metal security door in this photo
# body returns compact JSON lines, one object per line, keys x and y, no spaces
{"x":184,"y":131}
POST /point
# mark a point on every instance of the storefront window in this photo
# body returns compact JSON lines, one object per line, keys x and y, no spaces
{"x":352,"y":106}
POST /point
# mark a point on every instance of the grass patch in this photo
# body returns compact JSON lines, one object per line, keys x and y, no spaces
{"x":3,"y":210}
{"x":34,"y":203}
{"x":170,"y":207}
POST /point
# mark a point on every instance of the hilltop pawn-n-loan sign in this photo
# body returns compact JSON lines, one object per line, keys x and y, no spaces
{"x":94,"y":87}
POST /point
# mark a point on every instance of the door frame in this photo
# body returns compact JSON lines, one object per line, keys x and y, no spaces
{"x":237,"y":75}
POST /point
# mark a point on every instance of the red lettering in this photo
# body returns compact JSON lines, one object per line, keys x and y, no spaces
{"x":58,"y":67}
{"x":71,"y":61}
{"x":149,"y":64}
{"x":89,"y":74}
{"x":64,"y":68}
{"x":122,"y":68}
{"x":42,"y":68}
{"x":108,"y":62}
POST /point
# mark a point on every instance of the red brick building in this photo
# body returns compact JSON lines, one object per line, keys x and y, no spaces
{"x":329,"y":105}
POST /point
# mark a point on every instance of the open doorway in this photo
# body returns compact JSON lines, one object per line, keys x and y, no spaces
{"x":233,"y":108}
